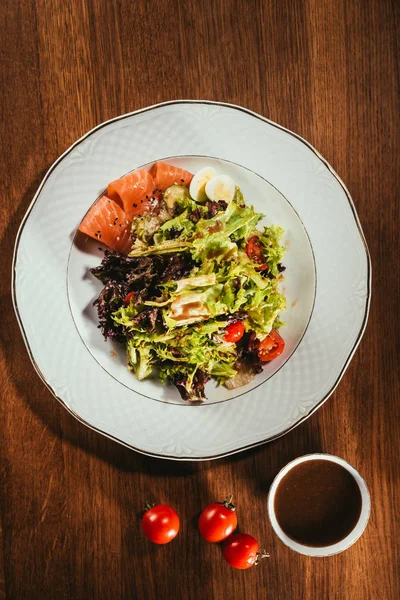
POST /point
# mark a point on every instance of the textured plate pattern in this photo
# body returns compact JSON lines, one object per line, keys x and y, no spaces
{"x":191,"y":128}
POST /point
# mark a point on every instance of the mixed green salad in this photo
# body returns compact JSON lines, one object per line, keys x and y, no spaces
{"x":197,"y":298}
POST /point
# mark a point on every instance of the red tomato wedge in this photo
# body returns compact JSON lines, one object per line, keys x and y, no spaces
{"x":128,"y":298}
{"x":271,"y":347}
{"x":255,"y":251}
{"x":131,"y":190}
{"x":234,"y":332}
{"x":165,"y":175}
{"x":107,"y":222}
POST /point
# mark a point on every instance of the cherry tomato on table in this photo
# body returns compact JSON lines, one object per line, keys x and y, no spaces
{"x":242,"y":551}
{"x":160,"y":523}
{"x":128,"y":298}
{"x":255,"y":251}
{"x":234,"y":332}
{"x":217,"y":521}
{"x":271,"y":347}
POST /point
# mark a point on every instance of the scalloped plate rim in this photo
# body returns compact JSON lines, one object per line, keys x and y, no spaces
{"x":357,"y":222}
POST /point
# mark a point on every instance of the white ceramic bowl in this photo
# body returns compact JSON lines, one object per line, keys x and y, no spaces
{"x":345,"y":542}
{"x":299,"y":286}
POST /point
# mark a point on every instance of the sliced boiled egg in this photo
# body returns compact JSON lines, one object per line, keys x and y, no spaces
{"x":220,"y":187}
{"x":199,"y":182}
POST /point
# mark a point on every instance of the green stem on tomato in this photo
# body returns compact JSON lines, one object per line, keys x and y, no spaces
{"x":260,"y":555}
{"x":228,"y":502}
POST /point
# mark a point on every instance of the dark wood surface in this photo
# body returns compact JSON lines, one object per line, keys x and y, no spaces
{"x":69,"y":498}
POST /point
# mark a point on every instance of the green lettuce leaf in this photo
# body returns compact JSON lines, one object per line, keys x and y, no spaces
{"x":262,"y":318}
{"x":140,"y":359}
{"x":273,"y":251}
{"x":180,"y":225}
{"x":163,"y":248}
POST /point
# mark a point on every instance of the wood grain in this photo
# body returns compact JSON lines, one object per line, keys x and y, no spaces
{"x":69,"y":499}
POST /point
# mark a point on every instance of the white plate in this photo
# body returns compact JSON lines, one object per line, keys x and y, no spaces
{"x":287,"y":180}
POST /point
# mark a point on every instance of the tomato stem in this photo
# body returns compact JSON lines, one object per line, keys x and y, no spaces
{"x":148,"y":506}
{"x":260,"y":555}
{"x":228,"y":502}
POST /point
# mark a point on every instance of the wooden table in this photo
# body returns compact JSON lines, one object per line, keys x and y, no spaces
{"x":69,"y":498}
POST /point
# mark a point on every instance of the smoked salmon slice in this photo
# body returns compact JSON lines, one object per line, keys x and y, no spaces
{"x":109,"y":219}
{"x":165,"y":175}
{"x":108,"y":223}
{"x":132,"y":191}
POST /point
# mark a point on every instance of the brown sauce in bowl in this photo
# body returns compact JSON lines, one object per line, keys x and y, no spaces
{"x":317,"y":503}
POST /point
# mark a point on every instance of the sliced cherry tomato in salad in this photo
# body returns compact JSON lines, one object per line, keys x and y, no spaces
{"x":263,"y":267}
{"x":271,"y":347}
{"x":242,"y":551}
{"x":255,"y":251}
{"x":160,"y":523}
{"x":128,"y":298}
{"x":218,"y":521}
{"x":234,"y":332}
